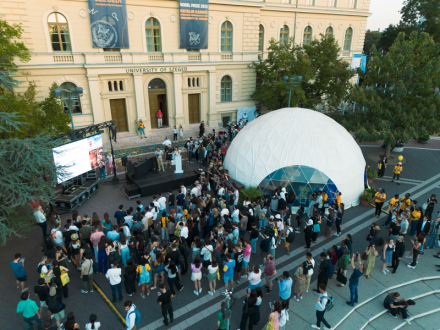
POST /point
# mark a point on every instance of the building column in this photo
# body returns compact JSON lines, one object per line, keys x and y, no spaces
{"x":212,"y":111}
{"x":139,"y":98}
{"x":178,"y":99}
{"x":95,"y":98}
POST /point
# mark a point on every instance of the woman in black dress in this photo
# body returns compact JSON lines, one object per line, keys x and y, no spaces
{"x":169,"y":155}
{"x":381,"y":166}
{"x":57,"y":268}
{"x":202,"y":129}
{"x":130,"y":278}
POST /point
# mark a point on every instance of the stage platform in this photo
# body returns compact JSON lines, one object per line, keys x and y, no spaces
{"x":154,"y":182}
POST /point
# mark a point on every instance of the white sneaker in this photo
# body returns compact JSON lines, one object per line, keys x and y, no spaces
{"x":210,"y":293}
{"x":325,"y":328}
{"x":384,"y":272}
{"x":408,"y":257}
{"x":387,"y":270}
{"x":196,"y":293}
{"x":213,"y":291}
{"x":200,"y":291}
{"x":407,"y":321}
{"x":314,"y":326}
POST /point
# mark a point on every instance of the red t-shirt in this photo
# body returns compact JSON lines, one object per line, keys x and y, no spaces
{"x":159,"y":115}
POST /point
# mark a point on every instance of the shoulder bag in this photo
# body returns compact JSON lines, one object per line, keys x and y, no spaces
{"x":86,"y":277}
{"x":64,"y":278}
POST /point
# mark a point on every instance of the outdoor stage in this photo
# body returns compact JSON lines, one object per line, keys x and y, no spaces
{"x":154,"y":182}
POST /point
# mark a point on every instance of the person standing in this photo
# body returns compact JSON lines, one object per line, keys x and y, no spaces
{"x":180,"y":132}
{"x":164,"y":301}
{"x":320,"y":305}
{"x":42,"y":292}
{"x":354,"y":280}
{"x":202,"y":129}
{"x":93,"y":325}
{"x":130,"y":319}
{"x":87,"y":274}
{"x":228,"y":269}
{"x":300,"y":281}
{"x":221,"y":323}
{"x":30,"y":311}
{"x":55,"y":306}
{"x":141,"y":128}
{"x":175,"y":134}
{"x":371,"y":254}
{"x":40,"y":216}
{"x":398,"y":253}
{"x":381,"y":166}
{"x":342,"y":264}
{"x":285,"y":286}
{"x":423,"y":226}
{"x":120,"y":214}
{"x":380,"y":199}
{"x":397,"y":170}
{"x":159,"y":116}
{"x":430,"y":204}
{"x":17,"y":266}
{"x":310,"y":265}
{"x":323,"y":267}
{"x":269,"y":273}
{"x":114,"y":276}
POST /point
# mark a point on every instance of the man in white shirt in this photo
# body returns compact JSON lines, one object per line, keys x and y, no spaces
{"x":129,"y":219}
{"x":183,"y":188}
{"x":145,"y":226}
{"x":194,"y":190}
{"x":236,"y":196}
{"x":162,"y":204}
{"x":159,"y":158}
{"x":235,"y":214}
{"x":40,"y":216}
{"x":310,"y":265}
{"x":404,"y":224}
{"x":183,"y":230}
{"x":167,"y":142}
{"x":114,"y":276}
{"x":57,"y":235}
{"x":323,"y":298}
{"x":130,"y":319}
{"x":224,"y":210}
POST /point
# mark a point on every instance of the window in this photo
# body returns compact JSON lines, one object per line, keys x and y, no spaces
{"x":226,"y":37}
{"x":307,"y":35}
{"x":258,"y":82}
{"x":226,"y":89}
{"x":111,"y":50}
{"x":284,"y":35}
{"x":115,"y":86}
{"x":329,"y":32}
{"x":348,"y":37}
{"x":110,"y":88}
{"x":193,"y":82}
{"x":59,"y":33}
{"x":355,"y":3}
{"x":121,"y":87}
{"x":152,"y":32}
{"x":261,"y":38}
{"x":334,"y":3}
{"x":75,"y":103}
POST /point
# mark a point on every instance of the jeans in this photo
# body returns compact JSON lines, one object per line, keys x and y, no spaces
{"x":218,"y":255}
{"x":262,"y":223}
{"x":320,"y":318}
{"x":353,"y":294}
{"x":125,"y":254}
{"x":257,"y":314}
{"x":102,"y":261}
{"x":165,"y":234}
{"x":254,"y":244}
{"x":31,"y":321}
{"x":432,"y":239}
{"x":43,"y":226}
{"x":119,"y":287}
{"x":415,"y":254}
{"x":102,"y":172}
{"x":95,"y":248}
{"x":378,"y":208}
{"x":394,"y":311}
{"x":390,"y":215}
{"x":142,"y":130}
{"x":412,"y":231}
{"x":176,"y":282}
{"x":167,"y":308}
{"x":88,"y":285}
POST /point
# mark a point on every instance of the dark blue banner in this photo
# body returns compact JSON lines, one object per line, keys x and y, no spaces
{"x":194,"y":15}
{"x":108,"y":23}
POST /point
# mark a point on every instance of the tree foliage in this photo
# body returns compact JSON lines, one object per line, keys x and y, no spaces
{"x":325,"y":77}
{"x":371,"y":38}
{"x":27,"y":172}
{"x":398,"y":92}
{"x":47,"y":117}
{"x":251,"y":192}
{"x":9,"y":49}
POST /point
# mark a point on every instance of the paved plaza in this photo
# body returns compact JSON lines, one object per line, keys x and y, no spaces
{"x":420,"y":177}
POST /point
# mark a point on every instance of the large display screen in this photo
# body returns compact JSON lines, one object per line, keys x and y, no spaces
{"x":78,"y":157}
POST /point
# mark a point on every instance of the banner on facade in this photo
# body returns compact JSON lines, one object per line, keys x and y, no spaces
{"x":108,"y":23}
{"x":246,"y":114}
{"x":356,"y":61}
{"x":194,"y":15}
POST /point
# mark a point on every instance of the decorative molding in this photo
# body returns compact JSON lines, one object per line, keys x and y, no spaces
{"x":272,"y":24}
{"x":211,"y":19}
{"x":82,"y":12}
{"x":227,"y":18}
{"x":55,"y":8}
{"x":152,"y":14}
{"x":319,"y":25}
{"x":340,"y":27}
{"x":173,"y":17}
{"x":131,"y":15}
{"x":298,"y":24}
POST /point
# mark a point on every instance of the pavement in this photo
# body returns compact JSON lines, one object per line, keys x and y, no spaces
{"x":420,"y":177}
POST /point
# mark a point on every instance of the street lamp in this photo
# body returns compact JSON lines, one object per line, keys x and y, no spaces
{"x":74,"y":93}
{"x":293,"y":82}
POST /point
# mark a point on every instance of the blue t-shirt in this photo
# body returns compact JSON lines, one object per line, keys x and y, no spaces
{"x":354,"y":278}
{"x":180,"y":199}
{"x":285,"y":288}
{"x":230,"y":271}
{"x":18,"y":269}
{"x":119,"y":215}
{"x":114,"y":236}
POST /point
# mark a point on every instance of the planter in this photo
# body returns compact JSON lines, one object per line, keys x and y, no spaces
{"x":370,"y":181}
{"x":363,"y":201}
{"x":398,"y":148}
{"x":423,"y":141}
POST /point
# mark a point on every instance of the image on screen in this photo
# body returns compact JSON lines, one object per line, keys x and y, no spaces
{"x":78,"y":157}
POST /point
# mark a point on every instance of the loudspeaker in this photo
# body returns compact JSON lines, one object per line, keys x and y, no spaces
{"x":124,"y":160}
{"x":130,"y":169}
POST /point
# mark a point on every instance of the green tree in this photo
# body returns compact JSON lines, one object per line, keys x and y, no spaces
{"x":325,"y":77}
{"x":9,"y":49}
{"x":53,"y":119}
{"x":251,"y":192}
{"x":27,"y":172}
{"x":371,"y":38}
{"x":398,"y":93}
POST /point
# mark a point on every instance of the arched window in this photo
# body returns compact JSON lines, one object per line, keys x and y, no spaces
{"x":284,"y":35}
{"x":226,"y":89}
{"x":75,"y":104}
{"x":226,"y":37}
{"x":59,"y":33}
{"x":189,"y":82}
{"x":157,"y":83}
{"x":121,"y":86}
{"x":347,"y":39}
{"x":307,"y":35}
{"x":198,"y":85}
{"x":115,"y":86}
{"x":355,"y":3}
{"x":261,"y":38}
{"x":329,"y":32}
{"x":110,"y":89}
{"x":152,"y":32}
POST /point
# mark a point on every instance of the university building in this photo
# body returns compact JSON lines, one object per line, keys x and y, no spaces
{"x":189,"y":86}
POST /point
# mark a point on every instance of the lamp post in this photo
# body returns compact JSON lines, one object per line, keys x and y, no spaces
{"x":74,"y":93}
{"x":293,"y":82}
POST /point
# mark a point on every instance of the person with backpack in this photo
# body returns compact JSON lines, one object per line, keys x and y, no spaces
{"x":324,"y":303}
{"x":133,"y":317}
{"x":290,"y":237}
{"x":55,"y":306}
{"x":354,"y":279}
{"x":326,"y":269}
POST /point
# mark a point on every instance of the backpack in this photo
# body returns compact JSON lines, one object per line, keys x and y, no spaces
{"x":291,"y":237}
{"x":330,"y":303}
{"x":181,"y":259}
{"x":380,"y":241}
{"x":40,"y":266}
{"x":138,"y":316}
{"x":330,"y":269}
{"x":186,"y":250}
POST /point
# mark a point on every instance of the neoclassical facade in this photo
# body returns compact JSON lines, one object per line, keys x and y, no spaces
{"x":188,"y":86}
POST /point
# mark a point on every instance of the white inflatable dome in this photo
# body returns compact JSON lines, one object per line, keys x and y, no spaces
{"x":296,"y":136}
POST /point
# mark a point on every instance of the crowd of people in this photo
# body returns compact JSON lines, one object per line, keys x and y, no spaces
{"x":209,"y":233}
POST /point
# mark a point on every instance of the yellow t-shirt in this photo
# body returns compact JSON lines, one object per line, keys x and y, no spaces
{"x":141,"y":124}
{"x":339,"y":200}
{"x":392,"y":201}
{"x":164,"y":222}
{"x":415,"y":215}
{"x":404,"y":203}
{"x":324,"y":197}
{"x":398,"y":169}
{"x":378,"y":195}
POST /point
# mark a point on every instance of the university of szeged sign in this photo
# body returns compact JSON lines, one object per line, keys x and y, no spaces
{"x":148,"y":70}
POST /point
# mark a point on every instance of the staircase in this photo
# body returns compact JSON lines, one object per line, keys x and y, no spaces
{"x":156,"y":136}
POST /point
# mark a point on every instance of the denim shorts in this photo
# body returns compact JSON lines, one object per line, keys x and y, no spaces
{"x":228,"y":278}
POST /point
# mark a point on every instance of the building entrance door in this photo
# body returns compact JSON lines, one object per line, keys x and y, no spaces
{"x":157,"y":97}
{"x":194,"y":108}
{"x":119,"y":114}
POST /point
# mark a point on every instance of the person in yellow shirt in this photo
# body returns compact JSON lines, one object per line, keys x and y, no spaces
{"x":393,"y":207}
{"x":380,"y":198}
{"x":416,"y":214}
{"x":405,"y":202}
{"x":338,"y":198}
{"x":165,"y":220}
{"x":324,"y":202}
{"x":397,"y":170}
{"x":141,"y":128}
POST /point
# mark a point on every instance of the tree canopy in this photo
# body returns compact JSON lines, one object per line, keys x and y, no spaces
{"x":398,"y":92}
{"x":325,"y":76}
{"x":371,"y":38}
